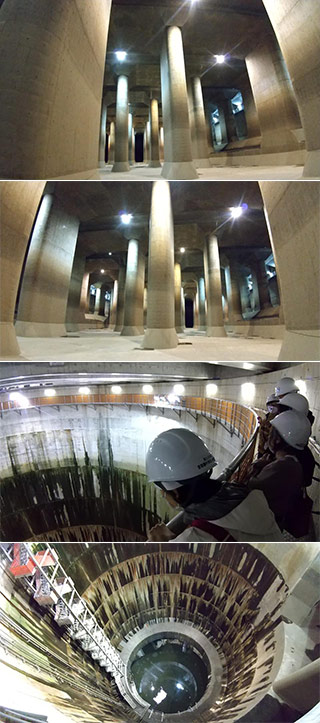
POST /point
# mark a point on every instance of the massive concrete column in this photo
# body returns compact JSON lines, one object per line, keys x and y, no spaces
{"x":120,"y":304}
{"x":252,"y":119}
{"x":113,"y":305}
{"x":154,"y":134}
{"x":112,"y":138}
{"x":134,"y":290}
{"x":121,"y":151}
{"x":161,"y":141}
{"x":274,"y":98}
{"x":296,"y":25}
{"x":45,"y":286}
{"x":130,"y":131}
{"x":74,"y":315}
{"x":97,"y":303}
{"x":84,"y":295}
{"x":202,"y":304}
{"x":196,"y":311}
{"x":260,"y":282}
{"x":212,"y":275}
{"x":51,"y":78}
{"x":177,"y":297}
{"x":292,"y":215}
{"x":224,"y":104}
{"x":198,"y":125}
{"x":177,"y":137}
{"x":19,"y":204}
{"x":103,"y":130}
{"x":161,"y":333}
{"x":233,"y":293}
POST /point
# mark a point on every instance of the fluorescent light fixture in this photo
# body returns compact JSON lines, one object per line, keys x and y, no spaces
{"x":220,"y":59}
{"x":248,"y":390}
{"x":84,"y":390}
{"x":115,"y":389}
{"x":182,"y":250}
{"x":211,"y":390}
{"x":121,"y":55}
{"x":300,"y":383}
{"x":126,"y":218}
{"x":248,"y":365}
{"x":19,"y":399}
{"x":178,"y":389}
{"x":50,"y":392}
{"x":147,"y":389}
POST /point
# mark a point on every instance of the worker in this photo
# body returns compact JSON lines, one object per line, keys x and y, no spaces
{"x":272,"y":404}
{"x":286,"y":386}
{"x":180,"y":464}
{"x":282,"y":479}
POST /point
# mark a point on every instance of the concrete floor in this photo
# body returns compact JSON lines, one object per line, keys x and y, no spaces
{"x":105,"y":345}
{"x":142,"y":172}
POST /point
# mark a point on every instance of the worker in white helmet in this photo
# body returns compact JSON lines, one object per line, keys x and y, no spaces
{"x":300,"y":404}
{"x":286,"y":385}
{"x":180,"y":464}
{"x":272,"y":404}
{"x":282,"y":479}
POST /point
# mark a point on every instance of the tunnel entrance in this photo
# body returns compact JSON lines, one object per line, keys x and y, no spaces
{"x":169,"y":675}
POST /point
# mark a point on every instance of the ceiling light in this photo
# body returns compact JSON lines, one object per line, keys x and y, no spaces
{"x":84,"y":390}
{"x":116,"y":389}
{"x":102,"y":271}
{"x":121,"y":55}
{"x":147,"y":389}
{"x":126,"y":218}
{"x":110,"y":253}
{"x":178,"y":389}
{"x":220,"y":58}
{"x":236,"y":211}
{"x":50,"y":392}
{"x":182,"y":250}
{"x":248,"y":391}
{"x":211,"y":390}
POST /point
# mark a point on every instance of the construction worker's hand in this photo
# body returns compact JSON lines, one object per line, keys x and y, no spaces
{"x":160,"y":533}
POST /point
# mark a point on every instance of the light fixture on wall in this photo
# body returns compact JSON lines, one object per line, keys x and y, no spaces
{"x":102,"y":271}
{"x":50,"y":392}
{"x":126,"y":218}
{"x":237,"y":211}
{"x":19,"y":399}
{"x":182,"y":250}
{"x":110,"y":253}
{"x":84,"y":390}
{"x":121,"y":55}
{"x":116,"y":389}
{"x":178,"y":389}
{"x":248,"y":390}
{"x":147,"y":389}
{"x":211,"y":390}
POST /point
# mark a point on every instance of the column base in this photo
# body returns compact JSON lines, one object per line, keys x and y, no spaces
{"x":119,"y":327}
{"x":160,"y":339}
{"x":154,"y":164}
{"x":132,"y":331}
{"x":312,"y":165}
{"x":216,"y":331}
{"x":35,"y":328}
{"x":202,"y":327}
{"x":202,"y":162}
{"x":297,"y":339}
{"x":102,"y":164}
{"x":9,"y":347}
{"x":179,"y":329}
{"x":120,"y":167}
{"x":279,"y":141}
{"x":179,"y":171}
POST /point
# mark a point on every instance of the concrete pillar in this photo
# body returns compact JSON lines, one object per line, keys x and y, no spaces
{"x":121,"y":152}
{"x":53,"y":51}
{"x":112,"y":138}
{"x":296,"y":25}
{"x":224,"y":104}
{"x":130,"y":130}
{"x":84,"y":295}
{"x":145,"y":306}
{"x":19,"y":204}
{"x":160,"y":332}
{"x":300,"y":689}
{"x":134,"y":289}
{"x":97,"y":303}
{"x":212,"y":275}
{"x":177,"y":137}
{"x":161,"y":141}
{"x":133,"y":143}
{"x":256,"y":303}
{"x":145,"y":146}
{"x":274,"y":98}
{"x":202,"y":304}
{"x":183,"y":309}
{"x":45,"y":285}
{"x":120,"y":304}
{"x":103,"y":130}
{"x":260,"y":282}
{"x":252,"y":119}
{"x":233,"y":292}
{"x":177,"y":297}
{"x":198,"y":125}
{"x":74,"y":315}
{"x":196,"y":311}
{"x":154,"y":134}
{"x":113,"y":305}
{"x":292,"y":215}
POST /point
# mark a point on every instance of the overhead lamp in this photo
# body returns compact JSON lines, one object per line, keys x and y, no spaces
{"x":102,"y":271}
{"x":147,"y":389}
{"x":121,"y":55}
{"x":211,"y":390}
{"x":84,"y":390}
{"x":248,"y":390}
{"x":236,"y":211}
{"x":110,"y":253}
{"x":50,"y":392}
{"x":178,"y":389}
{"x":182,"y":250}
{"x":220,"y":59}
{"x":126,"y":218}
{"x":116,"y":389}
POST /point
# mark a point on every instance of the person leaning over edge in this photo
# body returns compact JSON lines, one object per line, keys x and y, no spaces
{"x":180,"y":464}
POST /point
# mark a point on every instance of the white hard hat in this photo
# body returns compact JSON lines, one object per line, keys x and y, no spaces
{"x":272,"y":398}
{"x":286,"y":385}
{"x":177,"y":455}
{"x":297,"y":402}
{"x":293,"y":427}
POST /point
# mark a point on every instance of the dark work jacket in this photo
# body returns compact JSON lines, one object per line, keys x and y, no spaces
{"x":281,"y":481}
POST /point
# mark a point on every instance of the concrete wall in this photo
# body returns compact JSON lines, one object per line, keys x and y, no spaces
{"x":51,"y":76}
